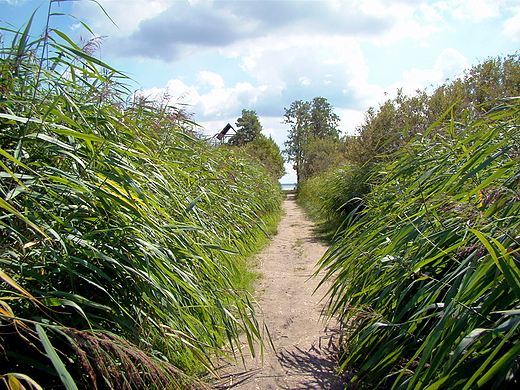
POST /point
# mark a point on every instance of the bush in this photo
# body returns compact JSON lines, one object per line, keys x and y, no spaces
{"x":427,"y":278}
{"x":335,"y":196}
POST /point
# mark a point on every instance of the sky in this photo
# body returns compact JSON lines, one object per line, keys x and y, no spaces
{"x":219,"y":57}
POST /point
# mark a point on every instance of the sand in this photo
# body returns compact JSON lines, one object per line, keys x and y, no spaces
{"x":291,"y":308}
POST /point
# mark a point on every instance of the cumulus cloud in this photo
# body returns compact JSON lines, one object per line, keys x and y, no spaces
{"x":350,"y":119}
{"x":475,"y":10}
{"x":218,"y":101}
{"x":450,"y":64}
{"x":211,"y":78}
{"x":511,"y":27}
{"x":287,"y":50}
{"x":169,"y":30}
{"x":279,"y":73}
{"x":464,"y":10}
{"x":182,"y":24}
{"x":305,"y":67}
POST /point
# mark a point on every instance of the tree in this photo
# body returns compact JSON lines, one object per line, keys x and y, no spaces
{"x":248,"y":128}
{"x":321,"y":154}
{"x":462,"y":100}
{"x":249,"y":137}
{"x":377,"y":135}
{"x":324,"y":122}
{"x":310,"y":122}
{"x":298,"y":116}
{"x":265,"y":150}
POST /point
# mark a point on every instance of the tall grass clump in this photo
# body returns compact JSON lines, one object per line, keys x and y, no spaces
{"x":332,"y":197}
{"x":123,"y":233}
{"x":426,"y":280}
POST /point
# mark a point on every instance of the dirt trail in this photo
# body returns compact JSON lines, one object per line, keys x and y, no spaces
{"x":292,"y":313}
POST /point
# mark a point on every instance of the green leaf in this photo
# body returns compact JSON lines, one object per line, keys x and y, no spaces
{"x":55,"y":359}
{"x":25,"y":378}
{"x":503,"y":260}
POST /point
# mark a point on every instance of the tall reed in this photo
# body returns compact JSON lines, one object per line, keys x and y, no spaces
{"x":330,"y":198}
{"x":122,"y":231}
{"x":427,"y":278}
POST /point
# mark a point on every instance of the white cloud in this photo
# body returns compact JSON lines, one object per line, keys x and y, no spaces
{"x":304,"y":67}
{"x":213,"y":127}
{"x":275,"y":128}
{"x":350,"y":119}
{"x":174,"y":92}
{"x":304,"y":80}
{"x":210,"y":78}
{"x":280,"y":72}
{"x":364,"y":94}
{"x":475,"y":10}
{"x":409,"y":20}
{"x":450,"y":64}
{"x":297,"y":68}
{"x":408,"y":28}
{"x":126,"y":14}
{"x":170,"y":30}
{"x":511,"y":26}
{"x":214,"y":103}
{"x":223,"y":102}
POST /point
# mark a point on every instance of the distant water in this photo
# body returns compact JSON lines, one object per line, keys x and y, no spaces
{"x":288,"y":186}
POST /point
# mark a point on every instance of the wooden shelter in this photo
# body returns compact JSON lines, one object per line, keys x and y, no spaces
{"x":224,"y":132}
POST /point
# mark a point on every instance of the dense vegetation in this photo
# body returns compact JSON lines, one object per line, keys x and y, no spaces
{"x":312,"y":142}
{"x":123,"y":232}
{"x":425,"y":264}
{"x":248,"y":136}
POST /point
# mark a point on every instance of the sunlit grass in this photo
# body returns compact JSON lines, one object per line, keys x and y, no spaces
{"x":123,"y":233}
{"x":426,"y":277}
{"x":330,"y":198}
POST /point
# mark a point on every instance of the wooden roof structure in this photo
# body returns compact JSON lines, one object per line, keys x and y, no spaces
{"x":224,"y":131}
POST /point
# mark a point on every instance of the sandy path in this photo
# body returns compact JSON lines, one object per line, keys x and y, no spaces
{"x":302,"y":359}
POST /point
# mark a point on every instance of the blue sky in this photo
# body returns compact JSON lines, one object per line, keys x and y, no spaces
{"x":220,"y":57}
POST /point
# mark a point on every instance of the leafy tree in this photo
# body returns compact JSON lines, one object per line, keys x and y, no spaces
{"x":310,"y":122}
{"x":248,"y":128}
{"x":265,"y":150}
{"x":377,"y":134}
{"x":460,"y":101}
{"x":297,"y":115}
{"x":321,"y":154}
{"x":249,"y":136}
{"x":494,"y":78}
{"x":324,"y":123}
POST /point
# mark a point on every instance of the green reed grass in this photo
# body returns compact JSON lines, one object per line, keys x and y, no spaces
{"x":331,"y":198}
{"x":426,"y":279}
{"x":123,"y":233}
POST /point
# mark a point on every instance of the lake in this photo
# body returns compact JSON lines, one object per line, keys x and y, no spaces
{"x":288,"y":186}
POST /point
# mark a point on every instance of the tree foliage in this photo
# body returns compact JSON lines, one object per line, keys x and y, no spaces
{"x":248,"y":128}
{"x":265,"y":150}
{"x":462,"y":100}
{"x":322,"y":154}
{"x":311,"y":123}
